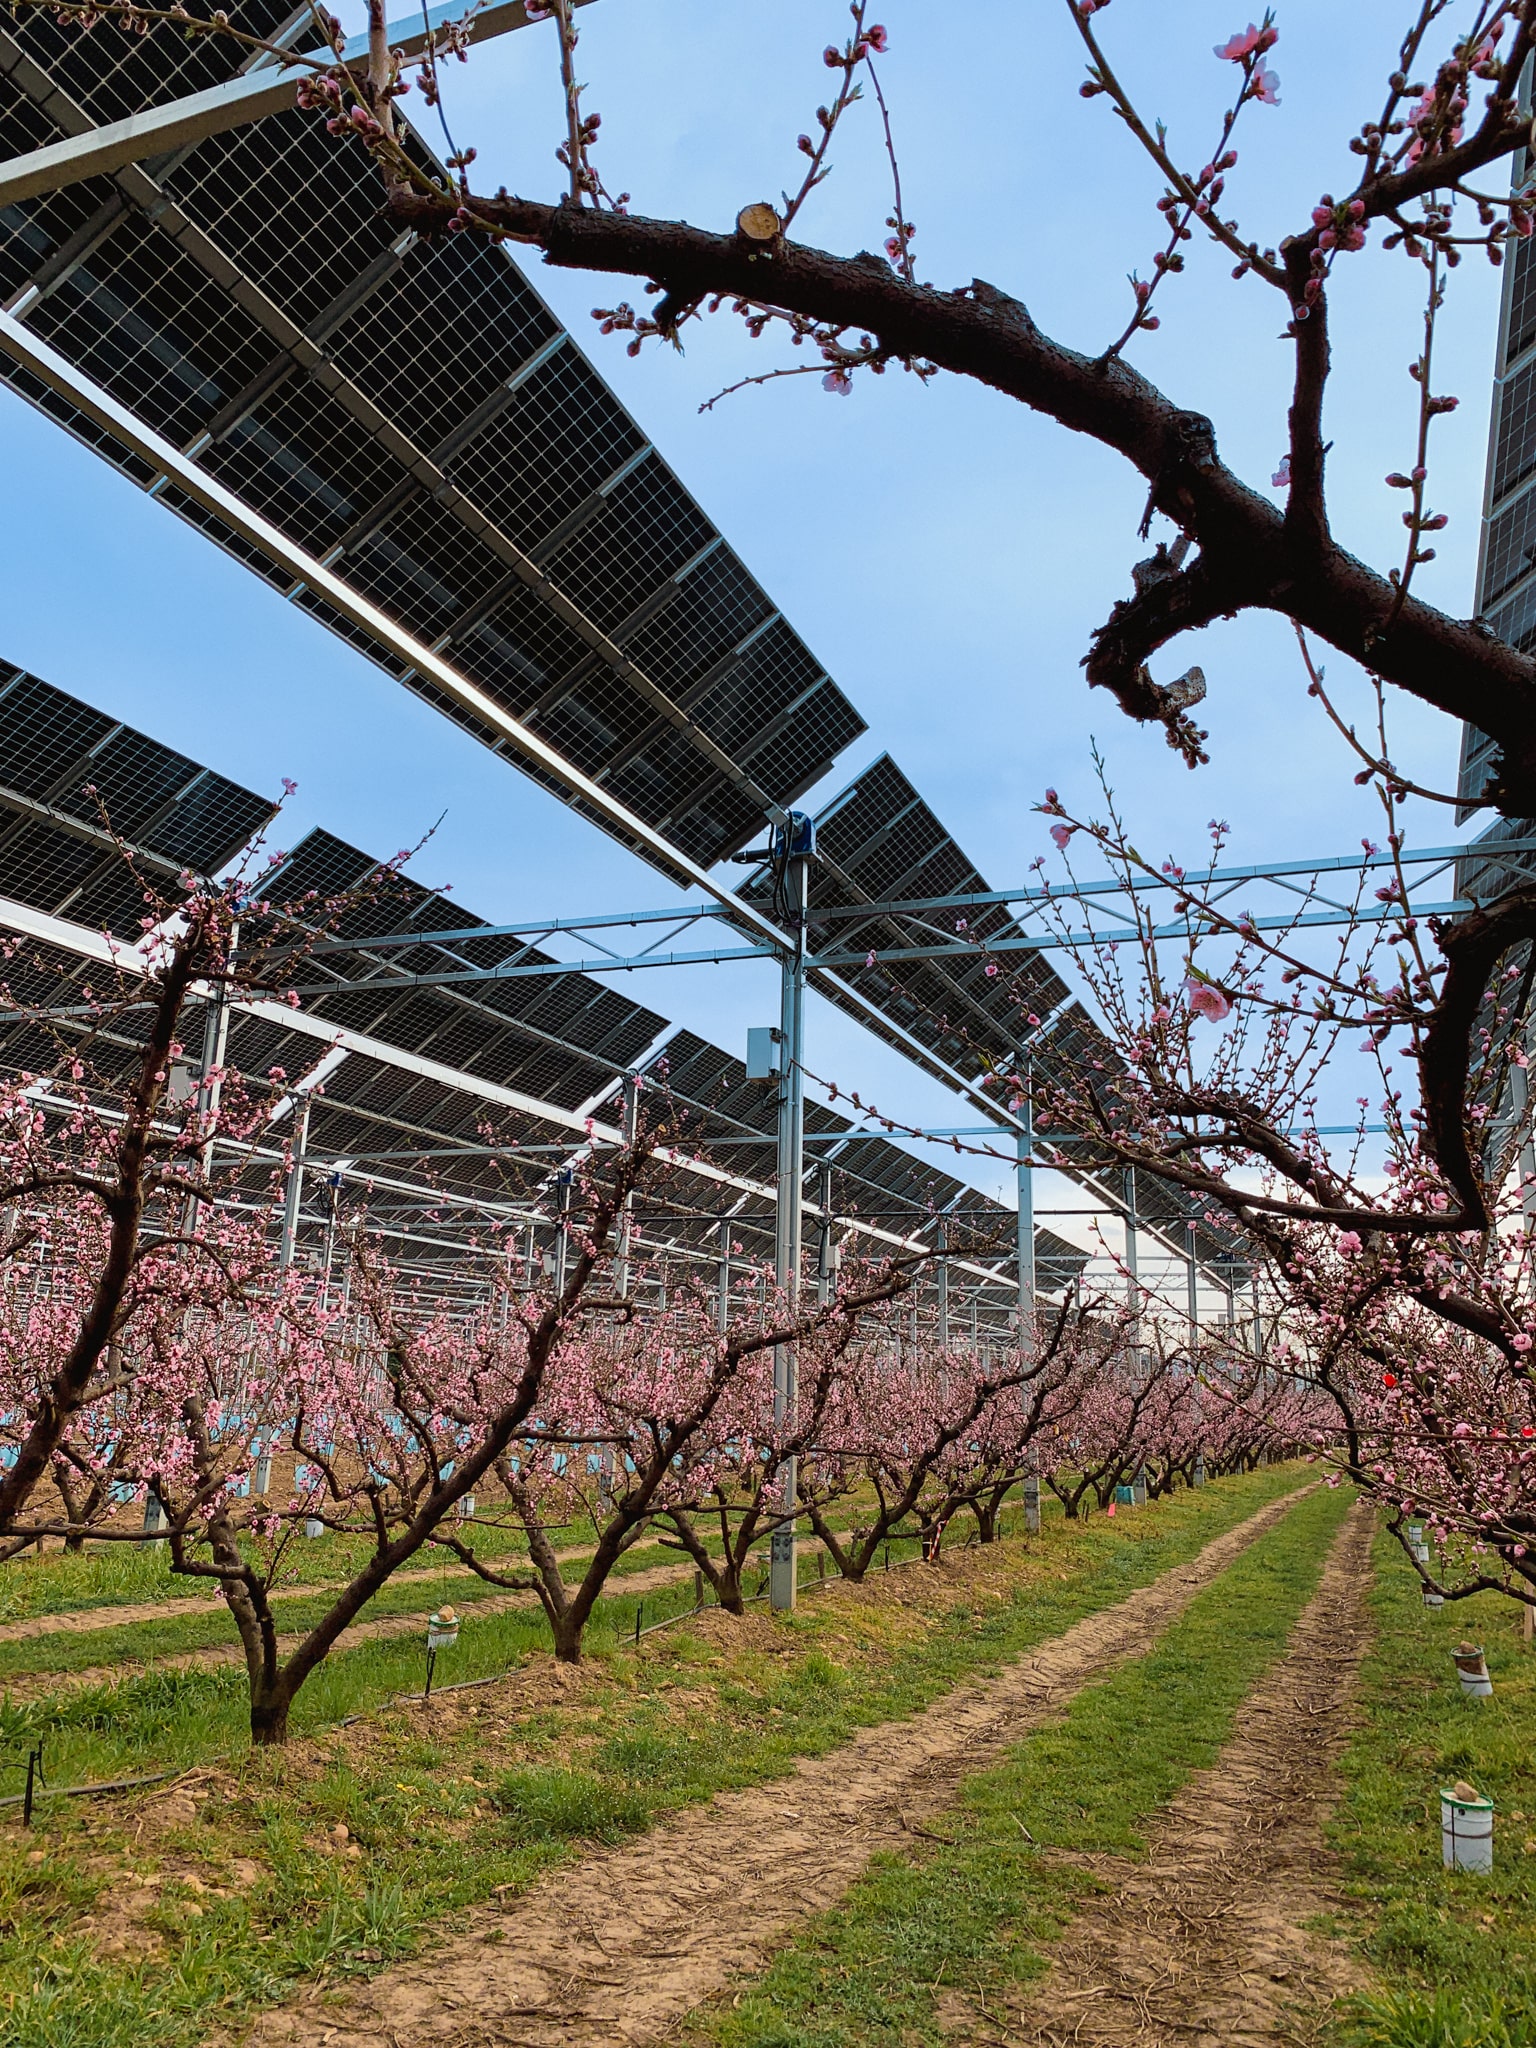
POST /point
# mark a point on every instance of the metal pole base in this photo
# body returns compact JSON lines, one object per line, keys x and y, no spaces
{"x":781,"y":1570}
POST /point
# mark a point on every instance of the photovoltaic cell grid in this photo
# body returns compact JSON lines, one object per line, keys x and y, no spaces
{"x":56,"y":851}
{"x":1506,"y":584}
{"x":420,"y":411}
{"x":560,"y":1040}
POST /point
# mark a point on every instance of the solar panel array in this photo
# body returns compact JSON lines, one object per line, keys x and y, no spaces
{"x":1506,"y":570}
{"x":71,"y":777}
{"x":412,"y":1141}
{"x":416,"y":417}
{"x":879,"y":842}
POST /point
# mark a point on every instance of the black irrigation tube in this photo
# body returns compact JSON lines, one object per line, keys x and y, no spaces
{"x":107,"y":1785}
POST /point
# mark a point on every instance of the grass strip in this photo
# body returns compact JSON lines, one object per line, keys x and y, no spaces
{"x":1459,"y":1950}
{"x":253,"y":1892}
{"x":977,"y":1915}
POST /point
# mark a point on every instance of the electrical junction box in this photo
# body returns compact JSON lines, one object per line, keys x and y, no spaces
{"x":795,"y":840}
{"x":763,"y":1052}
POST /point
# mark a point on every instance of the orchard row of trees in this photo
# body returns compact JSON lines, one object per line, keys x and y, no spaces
{"x":159,"y":1346}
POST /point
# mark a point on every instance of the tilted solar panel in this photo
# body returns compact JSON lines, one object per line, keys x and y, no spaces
{"x":561,"y":1040}
{"x":415,"y":417}
{"x":71,"y":776}
{"x":879,"y":842}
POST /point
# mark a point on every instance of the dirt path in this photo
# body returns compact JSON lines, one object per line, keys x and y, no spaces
{"x":1205,"y":1944}
{"x":618,"y":1948}
{"x":28,"y":1685}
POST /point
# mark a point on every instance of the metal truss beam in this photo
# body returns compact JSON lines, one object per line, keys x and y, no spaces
{"x":1263,"y":871}
{"x":586,"y":1133}
{"x":1044,"y":942}
{"x":265,"y":89}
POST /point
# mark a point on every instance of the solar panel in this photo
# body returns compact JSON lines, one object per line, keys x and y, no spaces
{"x":879,"y":842}
{"x":417,"y":417}
{"x":56,"y":851}
{"x":561,"y":1040}
{"x":1506,"y":572}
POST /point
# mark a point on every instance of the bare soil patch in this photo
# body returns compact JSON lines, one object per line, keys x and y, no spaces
{"x":619,"y":1947}
{"x":1206,"y":1943}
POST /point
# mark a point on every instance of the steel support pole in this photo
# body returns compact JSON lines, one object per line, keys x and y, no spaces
{"x":629,"y":1126}
{"x":210,"y":1085}
{"x":723,"y":1276}
{"x":1520,"y":1097}
{"x":1132,"y":1279}
{"x":781,"y":1579}
{"x":562,"y":1241}
{"x":293,"y":1197}
{"x":941,"y":1245}
{"x":826,"y":1251}
{"x":1026,"y":1223}
{"x":1191,"y":1287}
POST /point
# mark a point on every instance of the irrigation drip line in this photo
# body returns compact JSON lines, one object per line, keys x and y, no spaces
{"x":90,"y":1791}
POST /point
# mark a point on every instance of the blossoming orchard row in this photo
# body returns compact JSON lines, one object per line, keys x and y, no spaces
{"x":158,"y":1344}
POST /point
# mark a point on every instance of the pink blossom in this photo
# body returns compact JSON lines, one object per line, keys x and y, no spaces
{"x":1207,"y":1001}
{"x":838,"y":381}
{"x":1282,"y":476}
{"x":1266,"y":86}
{"x":1255,"y":41}
{"x":1061,"y":834}
{"x":1523,"y":1341}
{"x":1349,"y":1243}
{"x":877,"y":37}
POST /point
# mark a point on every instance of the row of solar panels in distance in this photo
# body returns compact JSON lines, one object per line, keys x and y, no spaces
{"x":369,"y":1114}
{"x":53,"y":743}
{"x":576,"y":1033}
{"x":880,"y":835}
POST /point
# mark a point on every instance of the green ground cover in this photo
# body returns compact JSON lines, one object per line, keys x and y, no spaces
{"x":1459,"y":1950}
{"x":977,"y":1914}
{"x":443,"y":1805}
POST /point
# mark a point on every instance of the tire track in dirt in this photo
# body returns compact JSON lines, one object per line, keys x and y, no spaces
{"x":619,"y":1947}
{"x":30,"y":1685}
{"x":1205,"y":1943}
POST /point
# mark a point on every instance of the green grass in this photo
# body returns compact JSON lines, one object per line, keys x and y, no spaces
{"x":1458,"y":1950}
{"x":977,"y":1914}
{"x":444,"y":1807}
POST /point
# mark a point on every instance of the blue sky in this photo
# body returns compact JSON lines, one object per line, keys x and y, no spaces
{"x":946,"y":553}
